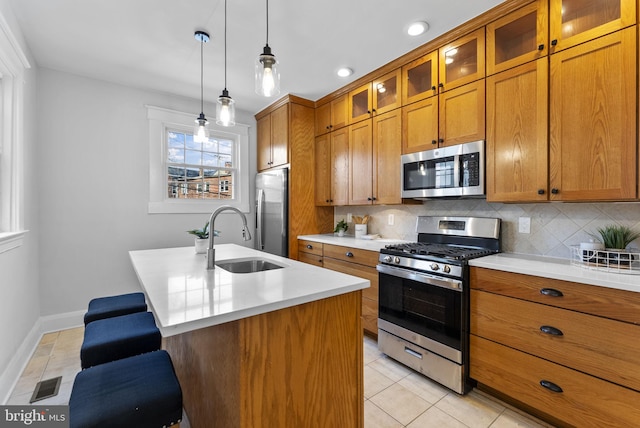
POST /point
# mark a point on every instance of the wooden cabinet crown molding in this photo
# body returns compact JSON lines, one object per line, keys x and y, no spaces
{"x":461,"y":30}
{"x":282,"y":101}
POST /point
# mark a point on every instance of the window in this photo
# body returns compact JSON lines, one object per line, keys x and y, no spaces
{"x":191,"y":177}
{"x":12,"y":68}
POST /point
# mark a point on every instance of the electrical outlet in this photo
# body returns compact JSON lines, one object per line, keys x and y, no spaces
{"x":349,"y":219}
{"x":391,"y":220}
{"x":524,"y":224}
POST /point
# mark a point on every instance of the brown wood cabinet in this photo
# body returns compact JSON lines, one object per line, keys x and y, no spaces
{"x":361,"y":263}
{"x":517,"y":141}
{"x":420,"y":79}
{"x":556,"y":346}
{"x":340,"y":167}
{"x":323,"y":163}
{"x":304,"y":216}
{"x":352,"y":261}
{"x":462,"y":114}
{"x":462,"y":61}
{"x":273,"y":138}
{"x":377,"y":97}
{"x":518,"y":37}
{"x":373,"y":178}
{"x":420,"y":126}
{"x":593,"y":120}
{"x":572,"y":22}
{"x":332,"y":115}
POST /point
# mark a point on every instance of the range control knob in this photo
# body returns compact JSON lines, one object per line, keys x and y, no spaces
{"x":446,"y":269}
{"x":435,"y":266}
{"x":396,"y":260}
{"x":387,"y":259}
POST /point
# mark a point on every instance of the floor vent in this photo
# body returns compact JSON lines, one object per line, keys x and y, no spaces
{"x":46,"y":388}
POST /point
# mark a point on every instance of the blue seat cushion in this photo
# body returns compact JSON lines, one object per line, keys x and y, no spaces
{"x":141,"y":391}
{"x":120,"y":337}
{"x":113,"y":306}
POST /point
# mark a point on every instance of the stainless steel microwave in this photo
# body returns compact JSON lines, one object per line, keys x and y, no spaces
{"x":453,"y":171}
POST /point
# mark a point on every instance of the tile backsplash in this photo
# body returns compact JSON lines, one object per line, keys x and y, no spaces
{"x":555,"y":226}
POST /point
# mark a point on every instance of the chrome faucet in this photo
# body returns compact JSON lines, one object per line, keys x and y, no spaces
{"x":211,"y":253}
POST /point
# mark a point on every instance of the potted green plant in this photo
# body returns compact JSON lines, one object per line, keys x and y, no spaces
{"x":616,"y":238}
{"x":341,"y":227}
{"x":202,"y":238}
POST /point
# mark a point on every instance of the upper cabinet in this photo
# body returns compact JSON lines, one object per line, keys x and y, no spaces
{"x":332,"y":115}
{"x":273,"y":138}
{"x":462,"y":61}
{"x":376,"y":97}
{"x":420,"y":79}
{"x":518,"y":37}
{"x":576,"y":21}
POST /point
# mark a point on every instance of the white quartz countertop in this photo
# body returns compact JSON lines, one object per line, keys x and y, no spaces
{"x":185,"y":296}
{"x":562,"y":269}
{"x":351,"y":241}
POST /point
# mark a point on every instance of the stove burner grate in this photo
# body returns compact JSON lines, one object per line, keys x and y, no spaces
{"x":455,"y":252}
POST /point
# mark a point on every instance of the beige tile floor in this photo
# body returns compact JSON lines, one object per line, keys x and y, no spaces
{"x":395,"y":396}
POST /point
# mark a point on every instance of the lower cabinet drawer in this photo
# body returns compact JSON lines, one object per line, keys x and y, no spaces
{"x":583,"y":401}
{"x":312,"y":247}
{"x":599,"y":346}
{"x":312,"y":259}
{"x":351,"y":255}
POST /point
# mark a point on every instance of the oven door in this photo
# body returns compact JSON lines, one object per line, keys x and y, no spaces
{"x":425,"y":309}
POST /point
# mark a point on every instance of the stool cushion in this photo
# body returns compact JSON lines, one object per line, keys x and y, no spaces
{"x":113,"y":306}
{"x":141,"y":391}
{"x":114,"y":338}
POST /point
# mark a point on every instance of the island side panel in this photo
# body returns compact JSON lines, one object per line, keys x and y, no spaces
{"x":303,"y":366}
{"x":207,"y":363}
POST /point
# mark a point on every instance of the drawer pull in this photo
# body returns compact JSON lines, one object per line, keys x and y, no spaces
{"x":550,"y":386}
{"x":349,"y":254}
{"x":309,"y":246}
{"x":412,"y":353}
{"x":551,"y":292}
{"x":547,"y":329}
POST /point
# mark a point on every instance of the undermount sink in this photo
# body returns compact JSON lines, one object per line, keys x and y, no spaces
{"x":249,"y":265}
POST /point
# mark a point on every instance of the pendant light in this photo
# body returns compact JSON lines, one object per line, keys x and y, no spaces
{"x":267,"y":74}
{"x":225,"y":108}
{"x":201,"y":130}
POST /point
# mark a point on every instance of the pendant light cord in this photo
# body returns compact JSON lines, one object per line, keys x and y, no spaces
{"x":201,"y":74}
{"x":225,"y":45}
{"x":267,"y":22}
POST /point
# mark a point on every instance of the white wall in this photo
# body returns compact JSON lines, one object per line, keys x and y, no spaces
{"x":20,"y":302}
{"x":92,"y":167}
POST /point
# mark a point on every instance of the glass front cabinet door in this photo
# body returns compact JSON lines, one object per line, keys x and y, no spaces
{"x":518,"y":37}
{"x":462,"y":61}
{"x":420,"y":79}
{"x":576,"y":21}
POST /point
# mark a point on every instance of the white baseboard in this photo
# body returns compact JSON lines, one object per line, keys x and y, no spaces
{"x":11,"y":374}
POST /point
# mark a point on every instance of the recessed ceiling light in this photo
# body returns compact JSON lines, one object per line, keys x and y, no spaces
{"x":417,"y":28}
{"x":345,"y":72}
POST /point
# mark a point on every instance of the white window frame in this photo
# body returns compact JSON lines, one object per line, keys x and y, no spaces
{"x":160,"y":121}
{"x":13,"y":64}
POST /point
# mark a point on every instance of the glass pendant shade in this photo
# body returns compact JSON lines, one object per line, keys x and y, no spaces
{"x":267,"y":74}
{"x":201,"y":130}
{"x":225,"y":110}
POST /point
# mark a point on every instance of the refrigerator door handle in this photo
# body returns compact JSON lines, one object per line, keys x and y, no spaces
{"x":260,"y":218}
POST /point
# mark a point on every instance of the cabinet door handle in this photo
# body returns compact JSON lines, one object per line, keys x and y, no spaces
{"x":552,"y":292}
{"x":441,"y":140}
{"x":547,"y":329}
{"x":441,"y":85}
{"x":309,"y":246}
{"x":541,"y":47}
{"x":433,"y":88}
{"x":349,"y":254}
{"x":434,"y":142}
{"x":550,"y":386}
{"x":555,"y":191}
{"x":554,"y":42}
{"x":540,"y":191}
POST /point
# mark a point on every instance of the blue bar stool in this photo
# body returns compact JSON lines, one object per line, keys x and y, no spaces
{"x":113,"y":306}
{"x":141,"y":392}
{"x":120,"y":337}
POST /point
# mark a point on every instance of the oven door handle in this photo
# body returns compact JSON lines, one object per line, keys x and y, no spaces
{"x":424,"y":278}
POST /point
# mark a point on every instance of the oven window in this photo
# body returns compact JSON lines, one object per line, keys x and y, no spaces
{"x":428,"y":310}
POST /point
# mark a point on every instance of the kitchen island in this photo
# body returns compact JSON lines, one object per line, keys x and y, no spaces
{"x":275,"y":348}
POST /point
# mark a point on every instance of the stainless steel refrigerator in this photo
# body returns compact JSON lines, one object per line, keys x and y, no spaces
{"x":272,"y":211}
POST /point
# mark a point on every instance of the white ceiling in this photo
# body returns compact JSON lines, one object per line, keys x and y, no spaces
{"x":149,"y":44}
